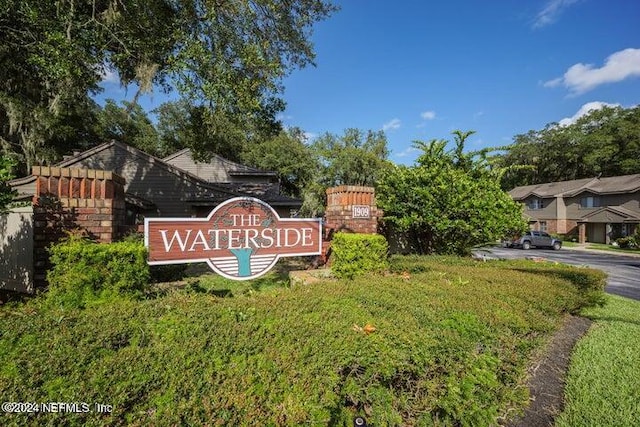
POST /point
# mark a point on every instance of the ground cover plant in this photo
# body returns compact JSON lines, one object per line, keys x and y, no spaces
{"x":436,"y":341}
{"x":603,"y":382}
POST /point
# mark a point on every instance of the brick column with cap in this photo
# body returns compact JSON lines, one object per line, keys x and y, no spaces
{"x":351,"y":208}
{"x":582,"y":232}
{"x":68,"y":199}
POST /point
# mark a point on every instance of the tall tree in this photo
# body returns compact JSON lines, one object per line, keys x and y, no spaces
{"x":229,"y":57}
{"x":288,"y":155}
{"x":354,"y":158}
{"x":183,"y":124}
{"x":447,"y":202}
{"x":603,"y":142}
{"x":129,"y":124}
{"x":6,"y":173}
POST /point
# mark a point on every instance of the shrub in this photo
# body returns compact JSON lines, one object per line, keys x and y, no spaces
{"x":635,"y":238}
{"x":355,"y":254}
{"x":167,"y":273}
{"x":624,"y":242}
{"x":449,"y":201}
{"x":451,"y":348}
{"x":159,"y":273}
{"x":83,"y":270}
{"x":589,"y":283}
{"x":628,"y":242}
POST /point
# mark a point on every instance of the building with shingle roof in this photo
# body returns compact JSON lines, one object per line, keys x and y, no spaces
{"x":591,"y":209}
{"x":176,"y":186}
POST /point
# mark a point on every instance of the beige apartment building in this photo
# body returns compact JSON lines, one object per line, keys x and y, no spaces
{"x":597,"y":210}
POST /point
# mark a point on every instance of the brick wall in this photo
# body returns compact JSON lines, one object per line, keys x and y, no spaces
{"x":91,"y":201}
{"x":339,"y":215}
{"x":571,"y":227}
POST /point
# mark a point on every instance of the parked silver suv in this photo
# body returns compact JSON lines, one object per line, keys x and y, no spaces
{"x":538,"y":239}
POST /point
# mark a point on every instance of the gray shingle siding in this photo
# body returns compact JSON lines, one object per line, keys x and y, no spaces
{"x":145,"y":179}
{"x":218,"y":169}
{"x":174,"y":191}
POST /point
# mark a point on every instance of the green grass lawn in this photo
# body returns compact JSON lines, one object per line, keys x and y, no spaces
{"x":603,"y":384}
{"x":437,"y":341}
{"x":605,"y":247}
{"x":602,"y":246}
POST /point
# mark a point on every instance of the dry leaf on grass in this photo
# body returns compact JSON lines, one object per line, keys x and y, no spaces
{"x":367,"y":329}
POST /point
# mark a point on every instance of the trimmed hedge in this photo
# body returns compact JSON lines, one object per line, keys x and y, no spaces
{"x":355,"y":254}
{"x":84,"y":271}
{"x":159,"y":273}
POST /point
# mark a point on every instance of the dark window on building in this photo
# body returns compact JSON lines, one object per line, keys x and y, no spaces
{"x":543,"y":225}
{"x":535,"y":204}
{"x":590,"y":202}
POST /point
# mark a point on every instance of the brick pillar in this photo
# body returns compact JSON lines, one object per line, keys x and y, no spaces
{"x":350,"y":209}
{"x":68,"y":199}
{"x":582,"y":232}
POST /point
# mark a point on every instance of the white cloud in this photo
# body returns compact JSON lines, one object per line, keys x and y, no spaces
{"x":581,"y":78}
{"x":551,"y":12}
{"x":391,"y":124}
{"x":406,"y":152}
{"x":109,"y":76}
{"x":553,"y":83}
{"x":428,"y":115}
{"x":585,"y":109}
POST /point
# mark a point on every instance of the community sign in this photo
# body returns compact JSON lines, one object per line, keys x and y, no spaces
{"x":241,"y":238}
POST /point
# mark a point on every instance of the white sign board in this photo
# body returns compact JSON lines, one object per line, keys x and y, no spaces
{"x":360,"y":211}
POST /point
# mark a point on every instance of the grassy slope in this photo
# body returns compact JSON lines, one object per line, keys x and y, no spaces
{"x":453,"y":339}
{"x":603,"y":384}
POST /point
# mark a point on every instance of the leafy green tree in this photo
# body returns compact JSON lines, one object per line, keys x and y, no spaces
{"x":229,"y":57}
{"x":604,"y":142}
{"x":289,"y":156}
{"x":355,"y":158}
{"x":6,"y":174}
{"x":182,"y":124}
{"x":448,"y":202}
{"x":128,"y":124}
{"x":49,"y":136}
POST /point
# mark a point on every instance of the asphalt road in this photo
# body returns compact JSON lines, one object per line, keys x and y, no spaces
{"x":623,"y":271}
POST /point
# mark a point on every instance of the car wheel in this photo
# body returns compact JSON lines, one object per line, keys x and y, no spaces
{"x":526,"y":245}
{"x":557,"y":246}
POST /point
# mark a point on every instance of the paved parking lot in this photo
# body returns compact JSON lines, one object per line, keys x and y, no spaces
{"x":623,"y":271}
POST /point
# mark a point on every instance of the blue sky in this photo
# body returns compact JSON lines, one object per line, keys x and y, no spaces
{"x":421,"y":69}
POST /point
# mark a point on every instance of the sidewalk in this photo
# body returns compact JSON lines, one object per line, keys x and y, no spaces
{"x":584,"y":248}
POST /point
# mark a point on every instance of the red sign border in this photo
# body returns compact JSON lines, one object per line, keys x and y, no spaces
{"x":208,"y":218}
